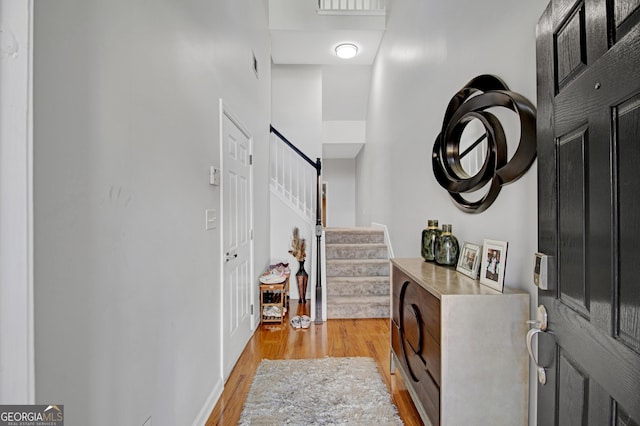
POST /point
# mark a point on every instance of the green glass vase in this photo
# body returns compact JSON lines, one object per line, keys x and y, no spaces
{"x":429,"y":238}
{"x":447,"y":248}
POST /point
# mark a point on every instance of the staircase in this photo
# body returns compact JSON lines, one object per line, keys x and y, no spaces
{"x":357,"y":262}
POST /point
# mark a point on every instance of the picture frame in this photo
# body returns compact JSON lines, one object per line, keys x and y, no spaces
{"x":494,"y":262}
{"x":469,"y":260}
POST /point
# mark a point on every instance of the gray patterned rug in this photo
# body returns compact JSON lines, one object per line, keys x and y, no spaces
{"x":323,"y":391}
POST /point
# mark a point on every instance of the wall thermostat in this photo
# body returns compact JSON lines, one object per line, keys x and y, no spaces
{"x":544,"y":271}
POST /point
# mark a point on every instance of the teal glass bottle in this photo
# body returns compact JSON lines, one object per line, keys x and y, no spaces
{"x":447,"y":248}
{"x":429,"y":238}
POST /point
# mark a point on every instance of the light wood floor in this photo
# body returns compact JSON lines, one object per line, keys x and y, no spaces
{"x":337,"y":338}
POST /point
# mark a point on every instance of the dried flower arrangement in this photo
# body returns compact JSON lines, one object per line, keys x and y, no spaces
{"x":298,"y":246}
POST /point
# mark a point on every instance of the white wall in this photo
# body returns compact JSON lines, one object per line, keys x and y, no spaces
{"x":284,"y":219}
{"x":343,"y":131}
{"x":430,"y":50}
{"x":16,"y":260}
{"x":127,"y":287}
{"x":345,"y":92}
{"x":296,"y":107}
{"x":339,"y":174}
{"x":296,"y":111}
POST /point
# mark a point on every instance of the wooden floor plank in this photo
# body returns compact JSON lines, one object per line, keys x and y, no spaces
{"x":336,"y":338}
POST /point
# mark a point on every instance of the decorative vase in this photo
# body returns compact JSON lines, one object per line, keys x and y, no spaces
{"x":302,"y":278}
{"x":447,"y":248}
{"x":429,"y":239}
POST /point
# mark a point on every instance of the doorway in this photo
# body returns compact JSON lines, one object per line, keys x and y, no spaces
{"x":237,"y":237}
{"x":324,"y":204}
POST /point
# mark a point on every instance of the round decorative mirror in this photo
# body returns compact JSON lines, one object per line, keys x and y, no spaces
{"x":470,"y":153}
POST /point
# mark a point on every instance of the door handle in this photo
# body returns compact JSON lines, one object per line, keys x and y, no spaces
{"x":230,"y":256}
{"x":542,"y":375}
{"x":539,"y":326}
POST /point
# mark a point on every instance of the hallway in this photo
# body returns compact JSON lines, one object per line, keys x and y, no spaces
{"x":114,"y":231}
{"x":335,"y":338}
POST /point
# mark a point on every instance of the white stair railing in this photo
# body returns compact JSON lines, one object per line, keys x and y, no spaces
{"x":292,"y":179}
{"x":351,"y":7}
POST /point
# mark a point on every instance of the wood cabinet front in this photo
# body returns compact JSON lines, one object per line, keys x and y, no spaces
{"x":417,"y":327}
{"x":447,"y":358}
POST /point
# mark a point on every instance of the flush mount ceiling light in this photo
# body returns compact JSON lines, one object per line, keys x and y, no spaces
{"x":346,"y":50}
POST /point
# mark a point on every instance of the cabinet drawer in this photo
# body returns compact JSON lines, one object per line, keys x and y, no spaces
{"x":427,"y":305}
{"x":429,"y":395}
{"x":431,"y":356}
{"x":417,"y":328}
{"x":415,"y":294}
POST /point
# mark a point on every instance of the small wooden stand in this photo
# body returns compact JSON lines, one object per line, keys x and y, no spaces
{"x":274,"y":301}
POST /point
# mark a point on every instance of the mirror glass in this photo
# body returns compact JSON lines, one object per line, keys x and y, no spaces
{"x":472,"y":152}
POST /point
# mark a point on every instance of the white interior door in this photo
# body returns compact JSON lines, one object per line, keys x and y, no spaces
{"x":237,"y":244}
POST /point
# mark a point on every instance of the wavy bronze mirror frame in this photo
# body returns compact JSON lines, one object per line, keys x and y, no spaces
{"x":469,"y":104}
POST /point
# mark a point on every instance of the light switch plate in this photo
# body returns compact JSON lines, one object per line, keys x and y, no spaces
{"x":211,"y":219}
{"x":214,"y":176}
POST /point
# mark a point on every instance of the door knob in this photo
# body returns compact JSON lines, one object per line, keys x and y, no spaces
{"x":230,"y":256}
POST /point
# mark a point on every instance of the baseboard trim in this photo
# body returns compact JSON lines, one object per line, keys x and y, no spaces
{"x":209,"y":404}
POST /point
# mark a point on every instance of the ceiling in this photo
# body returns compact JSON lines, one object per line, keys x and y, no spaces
{"x":302,"y":36}
{"x":316,"y":47}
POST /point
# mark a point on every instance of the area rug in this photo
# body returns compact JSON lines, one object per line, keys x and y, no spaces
{"x":323,"y":391}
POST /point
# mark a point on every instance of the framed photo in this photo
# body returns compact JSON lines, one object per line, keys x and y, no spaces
{"x":469,"y":260}
{"x":494,"y":260}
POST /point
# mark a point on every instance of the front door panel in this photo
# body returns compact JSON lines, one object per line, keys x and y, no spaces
{"x":589,"y":217}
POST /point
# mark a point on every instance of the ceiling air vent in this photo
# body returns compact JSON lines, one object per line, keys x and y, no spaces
{"x":352,"y":7}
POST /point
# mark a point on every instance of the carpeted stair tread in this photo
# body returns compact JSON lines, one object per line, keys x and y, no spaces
{"x":357,"y":271}
{"x":373,"y":300}
{"x":354,"y":236}
{"x":345,"y":286}
{"x":357,"y":251}
{"x":357,"y":267}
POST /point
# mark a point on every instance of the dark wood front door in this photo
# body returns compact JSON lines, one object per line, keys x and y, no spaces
{"x":589,"y":211}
